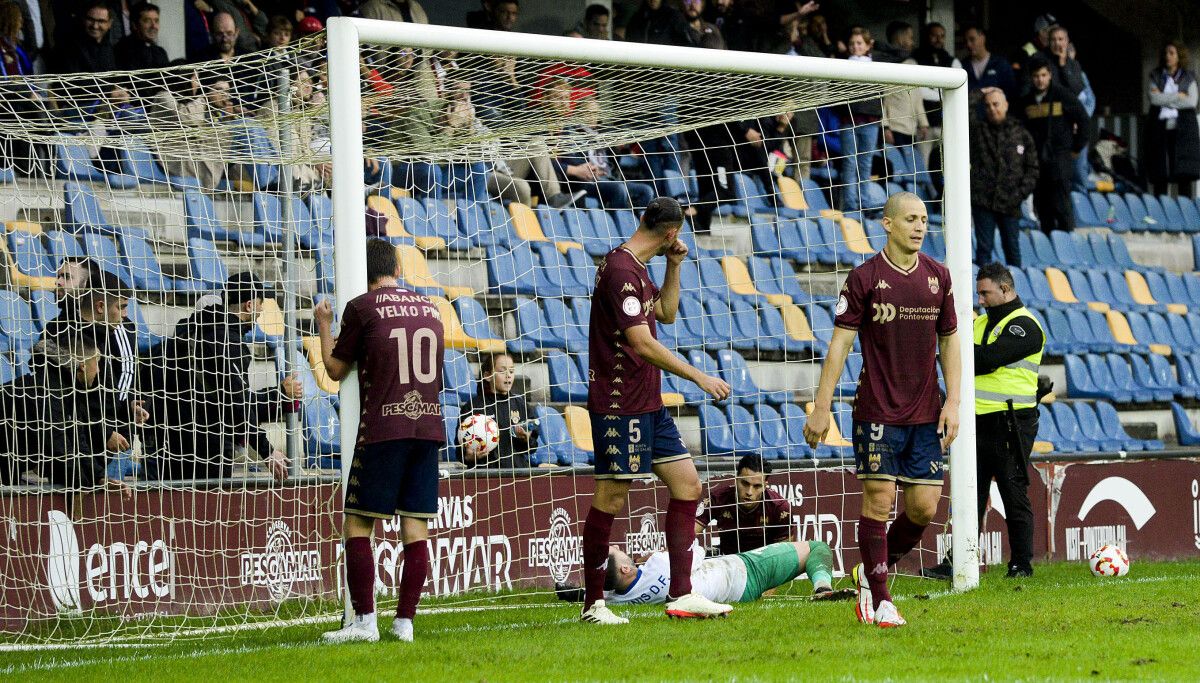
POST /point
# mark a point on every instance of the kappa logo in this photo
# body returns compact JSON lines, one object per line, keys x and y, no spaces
{"x":613,"y":450}
{"x":884,"y":313}
{"x":882,"y":284}
{"x":612,"y":433}
{"x":627,"y":288}
{"x":933,"y":285}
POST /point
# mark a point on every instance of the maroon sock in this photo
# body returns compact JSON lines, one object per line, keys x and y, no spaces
{"x":412,"y":578}
{"x":360,"y":574}
{"x":681,"y":534}
{"x":872,"y":543}
{"x":596,"y":530}
{"x":904,"y":535}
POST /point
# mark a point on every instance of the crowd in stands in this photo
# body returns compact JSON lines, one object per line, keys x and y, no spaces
{"x":1030,"y":137}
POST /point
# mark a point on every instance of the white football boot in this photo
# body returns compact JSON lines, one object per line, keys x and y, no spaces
{"x":598,"y":613}
{"x":402,"y":629}
{"x":887,"y":616}
{"x":362,"y":630}
{"x":696,"y":606}
{"x":864,"y":607}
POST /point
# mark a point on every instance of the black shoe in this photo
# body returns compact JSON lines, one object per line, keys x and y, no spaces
{"x":1015,"y":572}
{"x":564,"y":199}
{"x":941,"y":571}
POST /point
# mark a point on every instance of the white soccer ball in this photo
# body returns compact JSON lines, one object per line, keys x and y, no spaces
{"x":1109,"y":560}
{"x":479,"y":435}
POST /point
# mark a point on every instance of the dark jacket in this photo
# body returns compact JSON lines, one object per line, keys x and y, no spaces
{"x":663,"y":26}
{"x":133,"y":53}
{"x":207,"y":407}
{"x":1179,"y":161}
{"x":1021,"y":339}
{"x":1004,"y":165}
{"x":508,"y":411}
{"x":1069,"y":75}
{"x":997,"y":73}
{"x":117,"y":380}
{"x":1059,"y":126}
{"x":84,"y":55}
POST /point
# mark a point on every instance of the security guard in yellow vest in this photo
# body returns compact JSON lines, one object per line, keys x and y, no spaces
{"x":1008,"y":351}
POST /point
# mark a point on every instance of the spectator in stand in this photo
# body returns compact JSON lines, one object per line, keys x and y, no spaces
{"x":503,"y":15}
{"x":860,"y":128}
{"x":495,"y":399}
{"x":207,"y":107}
{"x":1058,"y":124}
{"x":1041,"y":38}
{"x":140,"y":49}
{"x":899,"y":45}
{"x":596,"y":22}
{"x":251,"y":23}
{"x":1064,"y":69}
{"x":818,"y":30}
{"x":279,"y":31}
{"x":480,"y":18}
{"x":37,"y":34}
{"x":904,"y":119}
{"x":223,"y":33}
{"x":806,"y":124}
{"x":657,"y":22}
{"x":737,"y":30}
{"x":595,"y":172}
{"x":1004,"y":170}
{"x":789,"y":11}
{"x":90,"y":51}
{"x":209,"y":410}
{"x":1087,"y":97}
{"x":394,"y":10}
{"x":748,"y":515}
{"x":14,"y":61}
{"x":701,"y":33}
{"x":986,"y":70}
{"x":1172,"y":135}
{"x":933,"y":53}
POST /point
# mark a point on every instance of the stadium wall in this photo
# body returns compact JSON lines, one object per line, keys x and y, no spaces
{"x":115,"y":557}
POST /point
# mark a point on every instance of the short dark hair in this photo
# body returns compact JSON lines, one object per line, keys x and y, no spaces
{"x":1037,"y":63}
{"x":932,"y":25}
{"x":662,"y":213}
{"x":135,"y":14}
{"x":104,"y":285}
{"x":611,"y":573}
{"x":998,"y":273}
{"x":895,"y":28}
{"x":94,"y":4}
{"x":381,"y":260}
{"x":594,"y":11}
{"x":279,"y":21}
{"x":975,"y":27}
{"x":488,"y":363}
{"x":753,"y":462}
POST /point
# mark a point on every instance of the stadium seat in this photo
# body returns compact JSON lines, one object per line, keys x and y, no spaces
{"x":458,"y":381}
{"x":103,"y":252}
{"x":475,"y":321}
{"x":1185,"y":430}
{"x":1123,"y":334}
{"x":1104,"y":212}
{"x":1082,"y":288}
{"x":1124,"y":220}
{"x":1041,"y":252}
{"x":1158,"y":215}
{"x":553,"y":435}
{"x":441,"y":220}
{"x":414,"y":271}
{"x":1092,"y":430}
{"x":200,"y":219}
{"x":1067,"y":249}
{"x":474,"y":226}
{"x":579,"y":426}
{"x":312,"y":351}
{"x":1122,"y":375}
{"x":61,"y":245}
{"x":795,"y":419}
{"x":745,"y":430}
{"x":566,"y":383}
{"x":1174,"y":214}
{"x":716,"y":437}
{"x":1159,"y":291}
{"x":29,"y":265}
{"x":1025,"y":290}
{"x":251,"y":140}
{"x":383,"y":221}
{"x":18,"y":326}
{"x":137,"y":161}
{"x":1139,"y":215}
{"x":533,"y":332}
{"x":553,"y":276}
{"x":144,"y":268}
{"x":1061,"y":337}
{"x":7,"y":176}
{"x":1039,"y":286}
{"x":831,"y":234}
{"x":611,"y":234}
{"x":733,"y":369}
{"x":1048,"y":439}
{"x":1068,"y":427}
{"x":1191,"y":214}
{"x":1092,"y":327}
{"x":1080,"y":383}
{"x":838,"y":444}
{"x":1161,"y":382}
{"x":1085,"y":213}
{"x":511,"y":271}
{"x":456,"y":337}
{"x":322,"y":433}
{"x":742,"y":284}
{"x":1107,"y":385}
{"x":1060,"y":287}
{"x":1110,"y":421}
{"x":73,"y":162}
{"x":562,"y":320}
{"x":1156,"y":340}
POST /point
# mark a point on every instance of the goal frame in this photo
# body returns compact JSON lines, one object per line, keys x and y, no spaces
{"x":346,"y":35}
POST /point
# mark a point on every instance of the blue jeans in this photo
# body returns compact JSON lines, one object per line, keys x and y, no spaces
{"x":470,"y":181}
{"x":614,"y":194}
{"x":859,"y":145}
{"x":986,"y":222}
{"x":121,"y":465}
{"x":422,"y":178}
{"x":1082,"y":168}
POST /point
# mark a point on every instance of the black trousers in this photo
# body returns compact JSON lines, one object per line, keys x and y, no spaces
{"x":997,"y":460}
{"x":1052,"y":196}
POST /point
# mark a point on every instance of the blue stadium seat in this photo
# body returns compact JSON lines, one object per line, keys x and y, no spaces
{"x":29,"y":254}
{"x":1042,"y":250}
{"x":795,"y":419}
{"x":63,"y":244}
{"x":457,"y":379}
{"x":560,"y":318}
{"x":692,"y":317}
{"x":320,"y":208}
{"x":511,"y":271}
{"x":804,"y":241}
{"x":7,"y":176}
{"x":1068,"y":250}
{"x":147,"y":338}
{"x":579,"y":228}
{"x":1191,"y":282}
{"x":719,"y":328}
{"x":82,"y":212}
{"x":441,"y":220}
{"x":1107,"y":385}
{"x":1142,"y":331}
{"x":1068,"y":428}
{"x":251,"y":140}
{"x":1025,"y":290}
{"x":746,"y":438}
{"x":1177,"y":290}
{"x":1142,"y":220}
{"x":1159,"y":378}
{"x":473,"y":318}
{"x":605,"y":228}
{"x":553,"y":434}
{"x":1079,"y":379}
{"x":1185,"y":430}
{"x":1122,"y":375}
{"x":268,"y":218}
{"x":1124,"y":220}
{"x":1039,"y":287}
{"x":1060,"y":336}
{"x":733,"y":369}
{"x":1090,"y":428}
{"x":7,"y":372}
{"x":772,"y":327}
{"x":831,"y":234}
{"x":814,"y":196}
{"x":1104,"y":212}
{"x":553,"y":277}
{"x":144,"y":268}
{"x":1102,"y":254}
{"x":747,"y":334}
{"x":1080,"y":285}
{"x":1158,"y":215}
{"x":764,"y":237}
{"x":1175,"y":218}
{"x":532,"y":330}
{"x":716,"y":438}
{"x":772,"y":432}
{"x":566,"y":384}
{"x":1191,"y":214}
{"x":1121,"y":255}
{"x":1047,"y":431}
{"x":103,"y":252}
{"x":1085,"y":213}
{"x":137,"y":161}
{"x":206,"y":264}
{"x":691,"y":393}
{"x":704,"y":363}
{"x":200,"y":218}
{"x":44,"y":305}
{"x":18,"y":326}
{"x":1113,"y":429}
{"x":1094,"y":325}
{"x":322,"y":433}
{"x":73,"y":162}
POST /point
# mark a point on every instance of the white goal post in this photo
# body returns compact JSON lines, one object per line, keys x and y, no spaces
{"x":346,"y":36}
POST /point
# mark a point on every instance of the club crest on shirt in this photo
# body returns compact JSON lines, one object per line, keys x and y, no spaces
{"x":933,"y":285}
{"x":842,"y":305}
{"x":630,"y":306}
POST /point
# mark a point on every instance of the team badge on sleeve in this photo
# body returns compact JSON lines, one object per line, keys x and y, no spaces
{"x":631,"y":306}
{"x":842,"y":305}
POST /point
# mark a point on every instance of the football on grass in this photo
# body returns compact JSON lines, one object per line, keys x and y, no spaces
{"x":479,"y":435}
{"x":1109,"y":560}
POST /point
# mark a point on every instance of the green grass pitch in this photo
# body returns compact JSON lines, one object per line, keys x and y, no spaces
{"x":1063,"y":624}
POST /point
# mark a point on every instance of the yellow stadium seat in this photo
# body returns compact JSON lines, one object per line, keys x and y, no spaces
{"x":456,"y":337}
{"x":415,"y":271}
{"x":15,"y":276}
{"x":671,"y":399}
{"x":796,"y":323}
{"x":1043,"y":447}
{"x":741,"y":283}
{"x":1060,"y":287}
{"x":525,"y":223}
{"x":579,"y":425}
{"x":855,"y":235}
{"x":1141,"y":293}
{"x":791,"y":194}
{"x":395,"y":226}
{"x":834,"y":437}
{"x":270,"y":319}
{"x":312,"y":349}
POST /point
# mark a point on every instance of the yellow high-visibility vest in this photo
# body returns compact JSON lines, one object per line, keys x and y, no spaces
{"x":1017,"y":380}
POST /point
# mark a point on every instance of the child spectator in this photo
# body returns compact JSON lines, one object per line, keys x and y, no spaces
{"x":517,"y":433}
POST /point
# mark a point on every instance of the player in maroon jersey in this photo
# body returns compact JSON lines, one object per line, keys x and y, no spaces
{"x":748,"y":514}
{"x":632,"y":432}
{"x":901,"y":302}
{"x":394,"y":335}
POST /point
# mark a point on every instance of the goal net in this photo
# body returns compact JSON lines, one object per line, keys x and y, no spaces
{"x":167,"y":233}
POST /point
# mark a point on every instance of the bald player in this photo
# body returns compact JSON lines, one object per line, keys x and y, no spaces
{"x":901,"y":302}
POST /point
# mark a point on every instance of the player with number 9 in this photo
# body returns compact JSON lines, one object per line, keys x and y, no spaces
{"x":395,"y":337}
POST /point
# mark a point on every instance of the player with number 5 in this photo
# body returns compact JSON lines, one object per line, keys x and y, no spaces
{"x":394,"y":335}
{"x":632,"y":432}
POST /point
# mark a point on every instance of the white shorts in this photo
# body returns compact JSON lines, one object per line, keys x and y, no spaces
{"x":721,"y":579}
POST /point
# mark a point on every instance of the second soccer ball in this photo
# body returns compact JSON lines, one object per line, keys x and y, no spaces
{"x":479,"y":435}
